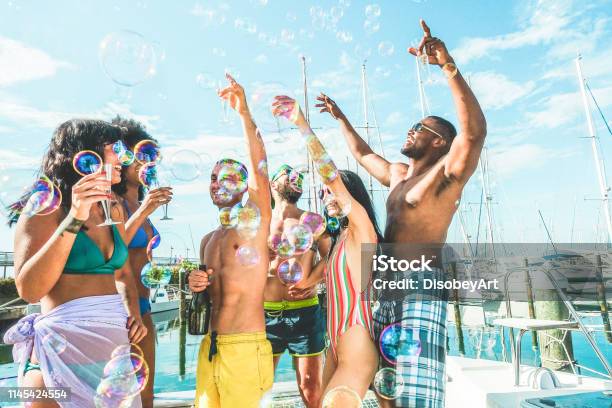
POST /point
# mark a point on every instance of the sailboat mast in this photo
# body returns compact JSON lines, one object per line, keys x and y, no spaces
{"x":484,"y":169}
{"x":310,"y":164}
{"x":601,"y":175}
{"x":366,"y":123}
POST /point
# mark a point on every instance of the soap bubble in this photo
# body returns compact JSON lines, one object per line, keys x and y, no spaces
{"x":372,"y":11}
{"x":386,"y":384}
{"x":314,"y":221}
{"x":147,"y":151}
{"x":86,"y":162}
{"x":205,"y":81}
{"x":300,"y":238}
{"x":396,"y":340}
{"x":386,"y":48}
{"x":341,"y":397}
{"x":290,"y":272}
{"x":233,"y":178}
{"x":246,"y":218}
{"x":153,"y":275}
{"x":247,"y":255}
{"x":224,"y":217}
{"x":371,"y":26}
{"x":186,"y":165}
{"x":147,"y":175}
{"x":127,"y":58}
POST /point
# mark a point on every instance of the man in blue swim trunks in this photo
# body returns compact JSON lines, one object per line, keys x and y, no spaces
{"x":294,"y":319}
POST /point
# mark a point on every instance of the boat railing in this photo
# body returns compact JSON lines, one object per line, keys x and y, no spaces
{"x":572,"y":311}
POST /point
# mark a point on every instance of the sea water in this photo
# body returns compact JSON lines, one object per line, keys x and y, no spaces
{"x":177,"y":351}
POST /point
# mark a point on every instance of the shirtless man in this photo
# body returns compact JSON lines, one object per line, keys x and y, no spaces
{"x":294,"y":320}
{"x":424,"y":196}
{"x":235,"y":360}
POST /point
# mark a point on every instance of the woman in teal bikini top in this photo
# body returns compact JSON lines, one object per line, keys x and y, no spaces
{"x":84,"y":318}
{"x":85,"y":257}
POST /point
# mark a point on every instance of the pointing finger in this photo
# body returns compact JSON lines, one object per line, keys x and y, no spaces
{"x":425,"y":28}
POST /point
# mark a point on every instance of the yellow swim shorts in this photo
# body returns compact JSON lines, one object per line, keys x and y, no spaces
{"x":239,"y":372}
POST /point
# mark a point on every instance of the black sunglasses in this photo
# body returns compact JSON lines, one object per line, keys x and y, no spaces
{"x":418,"y":127}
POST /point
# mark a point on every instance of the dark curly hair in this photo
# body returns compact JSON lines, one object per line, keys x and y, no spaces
{"x":69,"y":138}
{"x":134,"y":132}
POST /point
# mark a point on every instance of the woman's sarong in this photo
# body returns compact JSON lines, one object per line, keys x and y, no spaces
{"x":74,"y":343}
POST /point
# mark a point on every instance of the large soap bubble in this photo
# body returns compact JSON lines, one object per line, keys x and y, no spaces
{"x":127,"y":58}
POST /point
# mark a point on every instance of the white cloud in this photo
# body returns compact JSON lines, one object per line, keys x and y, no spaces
{"x":394,"y":118}
{"x":15,"y":111}
{"x":495,"y":90}
{"x":564,"y":108}
{"x":21,"y":63}
{"x":511,"y":159}
{"x":13,"y":159}
{"x":547,"y":22}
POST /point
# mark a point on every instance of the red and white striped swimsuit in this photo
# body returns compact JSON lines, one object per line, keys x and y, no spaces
{"x":346,"y":307}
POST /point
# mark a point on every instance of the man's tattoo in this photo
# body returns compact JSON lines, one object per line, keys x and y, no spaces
{"x":70,"y":224}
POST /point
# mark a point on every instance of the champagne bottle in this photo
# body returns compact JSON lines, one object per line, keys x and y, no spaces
{"x":198,"y":313}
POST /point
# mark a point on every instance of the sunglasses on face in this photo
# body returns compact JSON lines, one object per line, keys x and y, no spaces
{"x":418,"y":127}
{"x":323,"y":192}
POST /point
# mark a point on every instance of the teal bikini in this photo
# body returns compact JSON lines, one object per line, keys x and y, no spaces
{"x":85,"y":258}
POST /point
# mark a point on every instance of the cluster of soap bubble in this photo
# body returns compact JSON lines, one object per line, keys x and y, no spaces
{"x":127,"y":58}
{"x":328,"y":19}
{"x":245,"y":219}
{"x":295,"y":240}
{"x":42,"y":197}
{"x":124,"y":376}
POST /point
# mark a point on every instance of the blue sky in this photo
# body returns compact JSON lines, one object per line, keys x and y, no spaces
{"x":518,"y":55}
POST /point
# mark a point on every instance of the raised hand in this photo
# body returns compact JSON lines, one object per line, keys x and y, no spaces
{"x":328,"y":105}
{"x":287,"y":107}
{"x":234,"y":94}
{"x":156,"y":198}
{"x":432,"y":47}
{"x":89,"y":190}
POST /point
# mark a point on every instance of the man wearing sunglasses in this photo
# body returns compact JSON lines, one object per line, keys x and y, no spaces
{"x":424,"y":196}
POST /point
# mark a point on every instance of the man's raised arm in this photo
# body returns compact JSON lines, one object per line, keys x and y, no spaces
{"x":462,"y":159}
{"x":259,"y":187}
{"x":376,"y":165}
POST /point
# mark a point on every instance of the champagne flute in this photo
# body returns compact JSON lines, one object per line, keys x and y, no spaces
{"x":106,"y":204}
{"x":162,"y":181}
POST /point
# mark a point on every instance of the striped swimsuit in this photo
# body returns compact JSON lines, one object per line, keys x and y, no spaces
{"x":346,"y":307}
